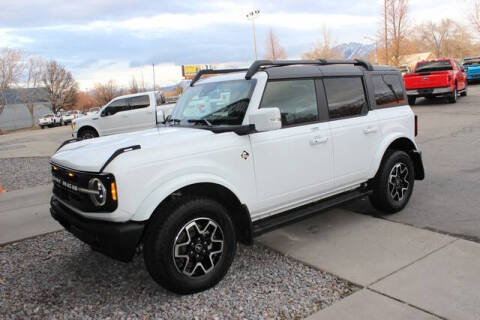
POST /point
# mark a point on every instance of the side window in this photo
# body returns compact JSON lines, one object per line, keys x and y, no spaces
{"x":139,"y":102}
{"x":116,"y":106}
{"x":296,"y":100}
{"x":388,"y":90}
{"x":345,"y":97}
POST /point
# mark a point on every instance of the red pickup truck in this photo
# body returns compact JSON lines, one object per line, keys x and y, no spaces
{"x":436,"y":78}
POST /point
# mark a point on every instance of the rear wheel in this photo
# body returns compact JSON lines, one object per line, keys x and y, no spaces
{"x":43,"y":127}
{"x":411,"y":100}
{"x":393,"y":184}
{"x":453,"y":96}
{"x":190,"y":246}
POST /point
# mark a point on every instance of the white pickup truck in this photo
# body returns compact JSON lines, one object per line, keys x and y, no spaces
{"x":243,"y":153}
{"x":123,"y":114}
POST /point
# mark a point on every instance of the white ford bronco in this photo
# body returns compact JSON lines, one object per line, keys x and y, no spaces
{"x":123,"y":114}
{"x":244,"y":152}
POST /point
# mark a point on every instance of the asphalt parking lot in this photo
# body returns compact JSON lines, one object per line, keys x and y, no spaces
{"x":448,"y":199}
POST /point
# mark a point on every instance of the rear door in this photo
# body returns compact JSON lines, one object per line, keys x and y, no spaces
{"x":114,"y":117}
{"x":141,"y":112}
{"x":293,"y":164}
{"x":355,"y":130}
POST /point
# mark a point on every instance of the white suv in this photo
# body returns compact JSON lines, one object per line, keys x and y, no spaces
{"x":244,"y":152}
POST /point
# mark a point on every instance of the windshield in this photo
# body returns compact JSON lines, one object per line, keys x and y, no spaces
{"x":223,"y":102}
{"x":434,"y":66}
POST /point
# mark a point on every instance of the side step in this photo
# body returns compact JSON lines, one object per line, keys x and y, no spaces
{"x":297,"y":214}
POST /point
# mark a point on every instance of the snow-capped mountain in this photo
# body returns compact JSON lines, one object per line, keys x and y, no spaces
{"x":354,"y":50}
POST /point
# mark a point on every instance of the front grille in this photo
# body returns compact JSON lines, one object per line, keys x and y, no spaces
{"x":67,"y":184}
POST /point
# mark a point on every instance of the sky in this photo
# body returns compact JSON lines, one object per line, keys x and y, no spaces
{"x":99,"y":40}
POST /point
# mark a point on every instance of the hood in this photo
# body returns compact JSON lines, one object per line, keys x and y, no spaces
{"x":90,"y":155}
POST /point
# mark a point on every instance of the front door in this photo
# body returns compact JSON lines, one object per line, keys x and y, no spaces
{"x":293,"y":164}
{"x":114,"y":117}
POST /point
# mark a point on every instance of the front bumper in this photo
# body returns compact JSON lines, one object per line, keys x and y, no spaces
{"x":429,"y":92}
{"x":116,"y":240}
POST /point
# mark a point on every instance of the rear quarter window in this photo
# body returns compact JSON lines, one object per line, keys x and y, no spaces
{"x":388,"y":91}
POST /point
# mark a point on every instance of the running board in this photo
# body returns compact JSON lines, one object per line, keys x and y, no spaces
{"x":291,"y":216}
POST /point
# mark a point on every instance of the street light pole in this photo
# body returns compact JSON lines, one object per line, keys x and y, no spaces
{"x":153,"y":66}
{"x":252,"y":16}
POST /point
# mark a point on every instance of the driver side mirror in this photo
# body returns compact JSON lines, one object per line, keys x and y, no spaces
{"x":266,"y":119}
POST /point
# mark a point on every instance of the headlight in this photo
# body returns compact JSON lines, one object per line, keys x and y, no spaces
{"x":73,"y":126}
{"x":100,"y":197}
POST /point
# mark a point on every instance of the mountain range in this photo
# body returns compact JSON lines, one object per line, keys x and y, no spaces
{"x":354,"y":50}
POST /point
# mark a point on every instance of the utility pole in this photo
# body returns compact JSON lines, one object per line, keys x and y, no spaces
{"x":153,"y":66}
{"x":385,"y":3}
{"x":252,"y":16}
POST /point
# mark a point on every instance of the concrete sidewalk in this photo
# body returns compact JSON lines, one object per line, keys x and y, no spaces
{"x":25,"y":213}
{"x":403,"y":272}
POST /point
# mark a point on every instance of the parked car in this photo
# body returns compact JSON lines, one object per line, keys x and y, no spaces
{"x":93,"y":111}
{"x":69,"y":116}
{"x":436,"y":78}
{"x":472,"y":68}
{"x":123,"y":114}
{"x":243,"y":153}
{"x":47,"y":120}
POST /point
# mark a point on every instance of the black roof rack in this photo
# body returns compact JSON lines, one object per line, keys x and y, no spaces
{"x":210,"y":71}
{"x":258,"y":64}
{"x":280,"y":63}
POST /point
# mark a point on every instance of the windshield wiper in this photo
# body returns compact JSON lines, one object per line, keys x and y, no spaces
{"x":200,"y":120}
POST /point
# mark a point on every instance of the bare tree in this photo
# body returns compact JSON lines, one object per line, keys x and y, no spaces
{"x":392,"y":36}
{"x":397,"y":14}
{"x":475,"y":15}
{"x":323,"y":48}
{"x":11,"y":69}
{"x":84,"y":101}
{"x":274,"y":51}
{"x":436,"y":35}
{"x":133,"y":86}
{"x":104,"y":92}
{"x":34,"y":69}
{"x":60,"y":86}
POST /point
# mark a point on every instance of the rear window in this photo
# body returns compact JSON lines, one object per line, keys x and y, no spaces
{"x":139,"y":102}
{"x":431,"y":66}
{"x":345,"y":96}
{"x":388,"y":90}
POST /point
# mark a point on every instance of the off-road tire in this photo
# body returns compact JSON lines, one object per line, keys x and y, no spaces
{"x":161,"y":236}
{"x":412,"y":100}
{"x":382,"y":198}
{"x":88,"y":134}
{"x":453,"y":96}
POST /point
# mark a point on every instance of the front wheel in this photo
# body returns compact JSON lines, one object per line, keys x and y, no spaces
{"x":393,"y":184}
{"x":190,"y":245}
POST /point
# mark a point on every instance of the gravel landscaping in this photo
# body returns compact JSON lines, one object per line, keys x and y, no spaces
{"x":57,"y":276}
{"x":20,"y":173}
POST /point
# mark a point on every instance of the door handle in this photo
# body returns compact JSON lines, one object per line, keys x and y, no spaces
{"x":318,"y":140}
{"x":370,"y":130}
